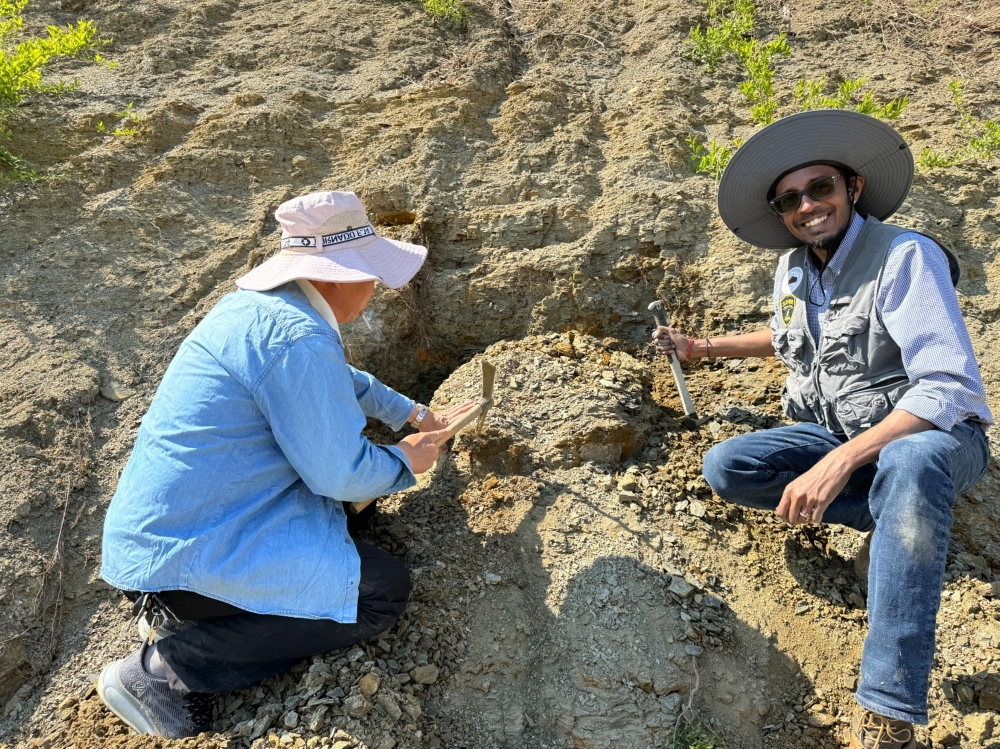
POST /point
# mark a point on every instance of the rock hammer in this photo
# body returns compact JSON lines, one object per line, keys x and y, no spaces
{"x":484,"y":404}
{"x":690,"y":419}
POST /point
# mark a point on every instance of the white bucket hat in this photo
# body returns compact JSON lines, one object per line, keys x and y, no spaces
{"x":325,"y":236}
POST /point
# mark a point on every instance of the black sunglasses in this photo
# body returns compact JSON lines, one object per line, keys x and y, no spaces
{"x":818,"y":189}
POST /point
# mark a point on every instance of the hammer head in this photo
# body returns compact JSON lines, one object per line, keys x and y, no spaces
{"x":694,"y":421}
{"x":658,"y":314}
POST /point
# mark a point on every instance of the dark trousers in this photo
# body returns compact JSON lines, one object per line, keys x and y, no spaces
{"x":234,"y":651}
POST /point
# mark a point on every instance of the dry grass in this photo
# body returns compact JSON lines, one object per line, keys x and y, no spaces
{"x":939,"y":24}
{"x":556,"y":24}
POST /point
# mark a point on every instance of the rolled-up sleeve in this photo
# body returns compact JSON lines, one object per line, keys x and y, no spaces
{"x":918,"y":306}
{"x":380,"y":401}
{"x":309,"y":397}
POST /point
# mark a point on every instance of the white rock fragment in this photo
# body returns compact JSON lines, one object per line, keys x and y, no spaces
{"x":115,"y":392}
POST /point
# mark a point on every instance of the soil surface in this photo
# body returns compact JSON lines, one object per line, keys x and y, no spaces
{"x":575,"y":581}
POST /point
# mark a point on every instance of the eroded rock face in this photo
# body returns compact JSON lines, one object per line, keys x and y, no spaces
{"x":560,"y":401}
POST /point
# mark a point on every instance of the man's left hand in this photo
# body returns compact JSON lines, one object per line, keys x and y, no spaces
{"x":435,"y":422}
{"x":806,"y":498}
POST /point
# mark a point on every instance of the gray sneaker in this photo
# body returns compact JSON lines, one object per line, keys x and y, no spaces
{"x":148,"y":704}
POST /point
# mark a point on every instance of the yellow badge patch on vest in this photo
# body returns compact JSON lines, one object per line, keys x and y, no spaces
{"x":787,"y":304}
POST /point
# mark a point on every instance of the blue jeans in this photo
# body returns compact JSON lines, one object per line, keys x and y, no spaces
{"x":907,"y":497}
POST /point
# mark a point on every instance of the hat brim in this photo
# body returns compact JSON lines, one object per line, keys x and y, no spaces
{"x":386,"y":260}
{"x":872,"y":148}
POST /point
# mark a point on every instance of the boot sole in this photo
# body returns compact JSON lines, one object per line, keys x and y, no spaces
{"x":120,"y":702}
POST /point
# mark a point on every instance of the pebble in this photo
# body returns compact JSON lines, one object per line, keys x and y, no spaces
{"x":425,"y":674}
{"x":357,"y":706}
{"x":355,"y":655}
{"x":965,"y":694}
{"x":388,"y":706}
{"x":369,"y":684}
{"x":681,"y":587}
{"x":697,"y":509}
{"x":115,"y":392}
{"x":492,"y":579}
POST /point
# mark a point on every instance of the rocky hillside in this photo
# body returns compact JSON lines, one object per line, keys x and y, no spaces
{"x":576,"y":584}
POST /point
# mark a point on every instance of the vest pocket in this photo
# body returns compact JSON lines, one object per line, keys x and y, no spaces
{"x":865,"y":404}
{"x":788,"y":345}
{"x":843,"y":346}
{"x":794,"y":404}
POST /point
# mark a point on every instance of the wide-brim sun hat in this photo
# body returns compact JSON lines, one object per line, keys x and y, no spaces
{"x":871,"y":148}
{"x":326,"y":236}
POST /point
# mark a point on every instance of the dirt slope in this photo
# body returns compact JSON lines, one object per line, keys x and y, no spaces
{"x":539,"y":152}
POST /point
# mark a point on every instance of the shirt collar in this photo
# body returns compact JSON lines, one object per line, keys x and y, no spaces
{"x":318,"y":303}
{"x":839,"y":258}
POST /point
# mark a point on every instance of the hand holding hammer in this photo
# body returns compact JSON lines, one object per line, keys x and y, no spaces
{"x":691,"y":418}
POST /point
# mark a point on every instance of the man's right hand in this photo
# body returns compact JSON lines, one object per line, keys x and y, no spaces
{"x":671,"y":341}
{"x":421,"y":449}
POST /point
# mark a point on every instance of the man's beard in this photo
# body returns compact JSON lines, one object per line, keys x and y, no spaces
{"x":831,"y":244}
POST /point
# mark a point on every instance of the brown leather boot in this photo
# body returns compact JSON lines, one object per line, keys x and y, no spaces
{"x":863,"y":559}
{"x":871,"y":731}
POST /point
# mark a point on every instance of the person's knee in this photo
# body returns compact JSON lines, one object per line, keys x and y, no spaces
{"x":913,"y":495}
{"x":719,"y":470}
{"x":913,"y":463}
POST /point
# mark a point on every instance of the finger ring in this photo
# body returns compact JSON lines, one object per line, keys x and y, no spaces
{"x":804,"y":515}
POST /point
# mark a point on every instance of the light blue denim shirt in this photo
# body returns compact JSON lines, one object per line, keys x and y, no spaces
{"x":252,"y":442}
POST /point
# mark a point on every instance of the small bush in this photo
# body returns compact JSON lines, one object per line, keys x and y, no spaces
{"x":982,"y":137}
{"x":22,"y":62}
{"x":729,"y":24}
{"x":713,"y":158}
{"x":809,"y":94}
{"x":449,"y":10}
{"x":128,"y":123}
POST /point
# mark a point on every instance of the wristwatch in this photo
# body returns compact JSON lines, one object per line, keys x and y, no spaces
{"x":421,"y":413}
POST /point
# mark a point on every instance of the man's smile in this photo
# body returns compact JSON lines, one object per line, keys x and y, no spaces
{"x":815,"y":221}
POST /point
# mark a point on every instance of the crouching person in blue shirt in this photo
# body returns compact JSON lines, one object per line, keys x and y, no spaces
{"x":228,"y":527}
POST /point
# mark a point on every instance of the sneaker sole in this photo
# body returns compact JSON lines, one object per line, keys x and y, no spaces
{"x":120,"y":702}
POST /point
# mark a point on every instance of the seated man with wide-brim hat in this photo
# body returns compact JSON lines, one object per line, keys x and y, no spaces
{"x":229,"y":526}
{"x":883,"y":383}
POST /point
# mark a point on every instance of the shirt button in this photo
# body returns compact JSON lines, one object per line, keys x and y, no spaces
{"x":347,"y":540}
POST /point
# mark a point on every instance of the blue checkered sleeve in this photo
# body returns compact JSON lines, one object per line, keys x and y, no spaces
{"x":917,"y":304}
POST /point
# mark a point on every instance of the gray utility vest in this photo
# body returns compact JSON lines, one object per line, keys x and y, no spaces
{"x":852,"y":377}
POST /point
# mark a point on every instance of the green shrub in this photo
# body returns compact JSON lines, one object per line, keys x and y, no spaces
{"x":809,"y":94}
{"x":982,"y":137}
{"x":711,"y":159}
{"x":729,"y":32}
{"x":128,"y":123}
{"x":729,"y":23}
{"x":928,"y":159}
{"x":449,"y":10}
{"x":757,"y":59}
{"x":22,"y":62}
